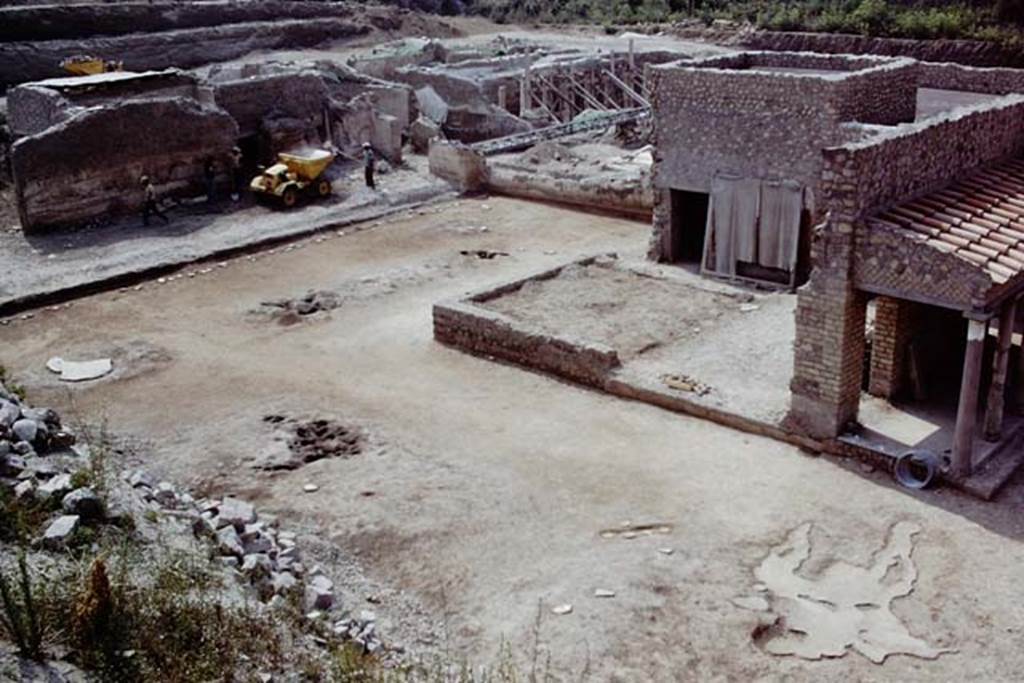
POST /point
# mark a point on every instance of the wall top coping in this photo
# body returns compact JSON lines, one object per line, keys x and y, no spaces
{"x":879,"y":135}
{"x":850,"y":67}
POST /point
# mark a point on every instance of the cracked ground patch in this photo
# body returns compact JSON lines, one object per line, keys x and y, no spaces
{"x":844,"y":607}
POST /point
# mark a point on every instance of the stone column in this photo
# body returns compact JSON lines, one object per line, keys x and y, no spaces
{"x":503,"y":97}
{"x":525,"y":103}
{"x":967,"y":409}
{"x":997,"y":389}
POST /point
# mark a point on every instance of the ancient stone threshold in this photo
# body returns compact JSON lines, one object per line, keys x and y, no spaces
{"x":466,"y":325}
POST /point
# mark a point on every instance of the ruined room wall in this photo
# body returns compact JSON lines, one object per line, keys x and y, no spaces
{"x":994,"y":81}
{"x":32,"y":109}
{"x":905,"y":161}
{"x":458,"y":164}
{"x":971,"y":52}
{"x":753,"y":124}
{"x":33,"y":61}
{"x":248,"y":101}
{"x":89,"y":166}
{"x":858,"y":179}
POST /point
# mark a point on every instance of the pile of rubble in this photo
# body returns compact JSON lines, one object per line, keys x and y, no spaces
{"x":39,"y":464}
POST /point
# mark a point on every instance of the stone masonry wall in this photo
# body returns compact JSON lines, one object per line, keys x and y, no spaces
{"x":473,"y":328}
{"x":996,"y":81}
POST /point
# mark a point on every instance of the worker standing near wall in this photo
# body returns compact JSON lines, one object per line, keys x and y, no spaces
{"x":236,"y":173}
{"x":151,"y":206}
{"x":210,"y":176}
{"x":369,"y":162}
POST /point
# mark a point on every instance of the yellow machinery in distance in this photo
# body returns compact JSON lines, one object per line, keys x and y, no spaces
{"x":295,"y":174}
{"x":85,"y":65}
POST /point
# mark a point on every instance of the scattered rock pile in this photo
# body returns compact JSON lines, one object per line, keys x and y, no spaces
{"x":297,"y":442}
{"x":39,"y":465}
{"x":289,"y":311}
{"x":262,"y":557}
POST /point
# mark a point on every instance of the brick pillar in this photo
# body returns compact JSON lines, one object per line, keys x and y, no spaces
{"x":829,"y":347}
{"x":659,"y":248}
{"x":893,"y":328}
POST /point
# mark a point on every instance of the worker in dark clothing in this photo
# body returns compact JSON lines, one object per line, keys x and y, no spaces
{"x":236,"y":173}
{"x":150,"y":207}
{"x":369,"y":162}
{"x":210,"y":176}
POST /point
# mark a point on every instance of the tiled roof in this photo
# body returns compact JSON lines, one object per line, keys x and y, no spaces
{"x":979,"y":219}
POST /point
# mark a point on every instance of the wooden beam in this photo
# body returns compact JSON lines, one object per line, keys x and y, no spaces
{"x":967,"y":409}
{"x":997,"y":389}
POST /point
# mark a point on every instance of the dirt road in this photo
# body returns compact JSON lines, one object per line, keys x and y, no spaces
{"x":493,"y":485}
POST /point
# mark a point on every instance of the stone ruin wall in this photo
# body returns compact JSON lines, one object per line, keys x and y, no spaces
{"x":470,"y":327}
{"x":969,"y":52}
{"x":33,"y":61}
{"x":859,"y":179}
{"x":34,"y":107}
{"x":90,"y":165}
{"x":995,"y":81}
{"x":729,"y":119}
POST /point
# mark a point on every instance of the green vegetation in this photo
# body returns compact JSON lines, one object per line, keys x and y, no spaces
{"x":1000,"y":21}
{"x":11,"y":385}
{"x":18,"y":615}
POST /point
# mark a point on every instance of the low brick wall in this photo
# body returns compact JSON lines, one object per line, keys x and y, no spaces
{"x":470,"y":327}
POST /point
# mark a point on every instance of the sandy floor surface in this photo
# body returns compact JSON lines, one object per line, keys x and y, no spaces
{"x":492,"y":485}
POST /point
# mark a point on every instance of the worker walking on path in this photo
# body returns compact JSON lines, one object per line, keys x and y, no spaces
{"x":368,"y":165}
{"x":150,"y":206}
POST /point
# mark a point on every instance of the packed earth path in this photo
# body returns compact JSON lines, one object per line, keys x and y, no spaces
{"x":494,"y":494}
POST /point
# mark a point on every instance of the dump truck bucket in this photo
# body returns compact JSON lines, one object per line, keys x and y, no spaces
{"x":307,"y":165}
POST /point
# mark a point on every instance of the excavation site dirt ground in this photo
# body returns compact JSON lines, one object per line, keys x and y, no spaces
{"x":486,"y":495}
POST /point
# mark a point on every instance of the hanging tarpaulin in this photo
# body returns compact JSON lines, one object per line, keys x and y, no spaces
{"x":779,"y":226}
{"x":731,"y":233}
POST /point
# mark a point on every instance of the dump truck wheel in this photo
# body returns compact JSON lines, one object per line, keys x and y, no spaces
{"x":323,"y":188}
{"x":290,"y":197}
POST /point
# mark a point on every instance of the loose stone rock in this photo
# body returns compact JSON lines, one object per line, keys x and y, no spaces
{"x":60,"y":531}
{"x":83,"y":502}
{"x":25,"y":430}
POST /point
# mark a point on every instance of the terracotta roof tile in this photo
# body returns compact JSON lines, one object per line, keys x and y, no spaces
{"x":979,"y":219}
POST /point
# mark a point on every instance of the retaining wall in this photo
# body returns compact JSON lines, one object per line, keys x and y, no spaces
{"x":479,"y":331}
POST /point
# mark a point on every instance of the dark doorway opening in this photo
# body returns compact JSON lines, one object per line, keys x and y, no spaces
{"x":689,"y":222}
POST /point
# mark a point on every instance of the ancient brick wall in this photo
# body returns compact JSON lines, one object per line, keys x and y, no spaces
{"x":893,"y":330}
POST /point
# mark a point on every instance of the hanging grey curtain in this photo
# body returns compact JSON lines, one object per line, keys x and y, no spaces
{"x":779,"y":234}
{"x":732,"y":223}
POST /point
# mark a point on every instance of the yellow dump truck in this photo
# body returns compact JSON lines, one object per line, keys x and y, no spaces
{"x":295,"y":174}
{"x":86,"y":65}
